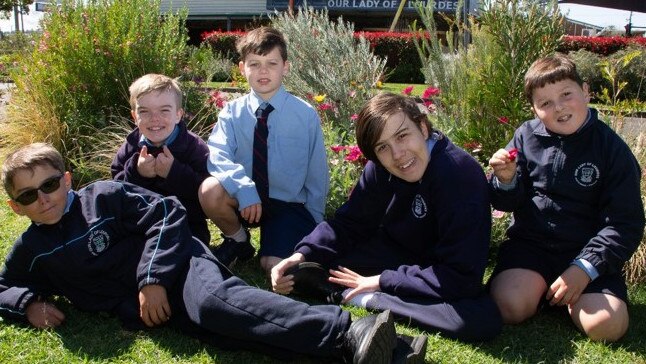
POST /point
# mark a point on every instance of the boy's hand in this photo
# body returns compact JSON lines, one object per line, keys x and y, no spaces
{"x":279,"y":282}
{"x":163,"y":162}
{"x":42,"y":315}
{"x":252,"y":213}
{"x":146,"y":164}
{"x":154,"y":308}
{"x":504,"y":165}
{"x":567,"y":288}
{"x":356,"y":281}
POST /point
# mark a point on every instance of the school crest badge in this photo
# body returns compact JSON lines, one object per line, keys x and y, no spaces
{"x":98,"y":241}
{"x":419,"y":207}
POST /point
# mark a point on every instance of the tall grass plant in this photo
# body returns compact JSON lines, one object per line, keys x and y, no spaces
{"x":76,"y":77}
{"x":482,"y":82}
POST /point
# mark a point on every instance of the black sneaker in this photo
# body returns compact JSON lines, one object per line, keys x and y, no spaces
{"x":410,"y":349}
{"x":311,"y":280}
{"x":370,"y":340}
{"x":229,"y":252}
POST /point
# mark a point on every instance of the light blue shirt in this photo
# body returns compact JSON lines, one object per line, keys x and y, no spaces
{"x":297,"y":164}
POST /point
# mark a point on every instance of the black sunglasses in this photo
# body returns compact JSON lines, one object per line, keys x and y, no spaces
{"x":48,"y":186}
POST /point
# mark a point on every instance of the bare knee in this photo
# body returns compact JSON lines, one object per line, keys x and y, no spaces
{"x":213,"y":197}
{"x":601,"y":317}
{"x":517,"y":293}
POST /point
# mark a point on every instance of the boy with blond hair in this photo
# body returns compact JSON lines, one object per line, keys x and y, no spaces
{"x":161,"y":154}
{"x":573,"y":186}
{"x":267,"y":159}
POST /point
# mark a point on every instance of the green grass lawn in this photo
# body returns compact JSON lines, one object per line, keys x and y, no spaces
{"x":98,"y":338}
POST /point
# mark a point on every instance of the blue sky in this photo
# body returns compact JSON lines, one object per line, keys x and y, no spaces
{"x":588,"y":14}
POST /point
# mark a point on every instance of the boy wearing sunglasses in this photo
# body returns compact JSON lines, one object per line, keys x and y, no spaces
{"x":116,"y":247}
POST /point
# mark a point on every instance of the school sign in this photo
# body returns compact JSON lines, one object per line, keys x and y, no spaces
{"x":369,"y":5}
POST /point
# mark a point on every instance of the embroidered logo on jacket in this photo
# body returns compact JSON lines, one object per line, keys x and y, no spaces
{"x":419,"y":207}
{"x":98,"y":242}
{"x":586,"y":174}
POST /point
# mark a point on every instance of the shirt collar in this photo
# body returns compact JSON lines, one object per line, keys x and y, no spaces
{"x":171,"y":138}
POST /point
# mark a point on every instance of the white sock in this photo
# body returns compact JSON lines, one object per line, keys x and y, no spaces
{"x":239,"y":236}
{"x":359,"y":300}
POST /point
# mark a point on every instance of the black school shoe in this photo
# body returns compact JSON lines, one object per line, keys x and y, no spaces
{"x":370,"y":340}
{"x":410,"y":350}
{"x":311,"y":280}
{"x":229,"y":252}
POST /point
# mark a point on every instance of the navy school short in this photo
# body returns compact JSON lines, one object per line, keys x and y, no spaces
{"x":525,"y":255}
{"x":282,"y":226}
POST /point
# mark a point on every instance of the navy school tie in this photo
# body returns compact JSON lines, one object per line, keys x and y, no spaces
{"x":260,"y":175}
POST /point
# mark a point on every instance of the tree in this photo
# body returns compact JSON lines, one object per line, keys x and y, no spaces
{"x":8,"y":5}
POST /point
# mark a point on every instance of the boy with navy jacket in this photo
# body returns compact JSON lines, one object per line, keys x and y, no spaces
{"x":161,"y":154}
{"x":573,"y":186}
{"x":116,"y":247}
{"x":413,"y":236}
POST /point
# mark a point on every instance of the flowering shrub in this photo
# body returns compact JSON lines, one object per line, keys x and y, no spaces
{"x":600,"y":45}
{"x":346,"y":163}
{"x":80,"y":68}
{"x":482,"y":84}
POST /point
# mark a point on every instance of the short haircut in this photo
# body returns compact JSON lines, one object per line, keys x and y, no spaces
{"x":28,"y":158}
{"x":261,"y":41}
{"x":154,"y":82}
{"x":554,"y":68}
{"x":374,"y":114}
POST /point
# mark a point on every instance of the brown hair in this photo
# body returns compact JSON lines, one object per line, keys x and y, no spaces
{"x":261,"y":41}
{"x":374,"y":114}
{"x":550,"y":69}
{"x":154,"y":82}
{"x":27,"y":158}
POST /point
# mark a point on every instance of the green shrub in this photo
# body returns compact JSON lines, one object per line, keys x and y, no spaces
{"x":326,"y":59}
{"x":206,"y":65}
{"x":482,"y":99}
{"x":79,"y":71}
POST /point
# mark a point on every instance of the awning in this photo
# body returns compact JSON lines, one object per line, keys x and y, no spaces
{"x":629,"y":5}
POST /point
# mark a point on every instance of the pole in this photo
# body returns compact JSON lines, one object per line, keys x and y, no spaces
{"x":291,"y":8}
{"x":399,"y":12}
{"x":15,"y":16}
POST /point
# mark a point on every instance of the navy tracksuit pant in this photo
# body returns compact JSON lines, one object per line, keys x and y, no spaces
{"x":468,"y":319}
{"x":212,"y":304}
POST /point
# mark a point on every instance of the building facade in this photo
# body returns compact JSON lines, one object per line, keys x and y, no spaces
{"x":369,"y":15}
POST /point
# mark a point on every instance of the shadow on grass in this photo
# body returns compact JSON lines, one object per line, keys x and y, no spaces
{"x":551,"y":337}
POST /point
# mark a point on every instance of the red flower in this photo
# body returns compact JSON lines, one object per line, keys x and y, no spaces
{"x":355,"y":156}
{"x":337,"y":148}
{"x":513,"y":153}
{"x":407,"y":91}
{"x":326,"y":106}
{"x":354,"y":117}
{"x":503,"y":120}
{"x":430,"y":92}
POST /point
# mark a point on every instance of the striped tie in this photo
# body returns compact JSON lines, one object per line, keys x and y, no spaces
{"x":260,"y":175}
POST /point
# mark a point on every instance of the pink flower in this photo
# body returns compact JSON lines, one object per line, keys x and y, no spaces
{"x":407,"y":91}
{"x":337,"y":148}
{"x":326,"y":106}
{"x":218,"y":98}
{"x":430,"y":92}
{"x":513,"y":153}
{"x":355,"y":156}
{"x":354,"y":117}
{"x":503,"y":120}
{"x":497,"y":214}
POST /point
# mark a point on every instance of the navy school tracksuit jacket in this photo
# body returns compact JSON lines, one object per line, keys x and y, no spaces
{"x":444,"y":220}
{"x":186,"y":174}
{"x":578,"y":193}
{"x":115,"y":238}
